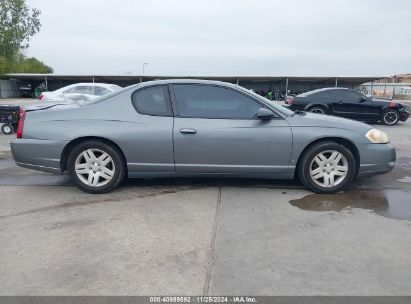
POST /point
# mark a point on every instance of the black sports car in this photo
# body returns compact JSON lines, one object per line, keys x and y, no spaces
{"x":349,"y":103}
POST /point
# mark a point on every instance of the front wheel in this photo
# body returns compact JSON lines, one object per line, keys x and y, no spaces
{"x":327,"y":167}
{"x":96,"y":167}
{"x":390,"y":117}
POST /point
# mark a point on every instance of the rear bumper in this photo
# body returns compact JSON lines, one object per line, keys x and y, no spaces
{"x":42,"y":155}
{"x":376,"y":159}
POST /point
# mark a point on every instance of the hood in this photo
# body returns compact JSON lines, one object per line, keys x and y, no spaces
{"x":319,"y":120}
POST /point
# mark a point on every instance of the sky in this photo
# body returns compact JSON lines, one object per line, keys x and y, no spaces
{"x":225,"y":37}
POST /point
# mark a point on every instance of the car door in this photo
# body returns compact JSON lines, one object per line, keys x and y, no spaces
{"x":149,"y":142}
{"x":349,"y":103}
{"x":216,"y":131}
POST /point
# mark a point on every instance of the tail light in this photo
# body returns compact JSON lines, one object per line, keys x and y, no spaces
{"x":289,"y":100}
{"x":392,"y":104}
{"x":41,"y":97}
{"x":22,"y":116}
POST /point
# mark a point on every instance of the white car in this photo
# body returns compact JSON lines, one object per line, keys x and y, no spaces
{"x":79,"y":91}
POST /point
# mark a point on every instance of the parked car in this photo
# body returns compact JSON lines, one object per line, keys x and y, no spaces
{"x":79,"y":91}
{"x":196,"y":128}
{"x":351,"y":104}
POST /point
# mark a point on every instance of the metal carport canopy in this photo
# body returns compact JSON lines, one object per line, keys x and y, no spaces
{"x":355,"y":80}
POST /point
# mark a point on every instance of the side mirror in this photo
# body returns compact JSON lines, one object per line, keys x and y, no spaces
{"x":362,"y":99}
{"x":264,"y":114}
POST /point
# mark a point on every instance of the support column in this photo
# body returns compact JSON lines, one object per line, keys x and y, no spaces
{"x":286,"y":87}
{"x":238,"y":81}
{"x":372,"y":87}
{"x":336,"y":82}
{"x":45,"y":81}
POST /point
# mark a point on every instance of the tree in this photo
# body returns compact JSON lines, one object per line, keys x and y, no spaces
{"x":18,"y":23}
{"x":30,"y":65}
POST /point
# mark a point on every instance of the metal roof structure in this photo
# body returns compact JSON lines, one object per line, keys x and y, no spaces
{"x":234,"y":78}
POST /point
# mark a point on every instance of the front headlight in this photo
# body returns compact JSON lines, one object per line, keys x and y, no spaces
{"x":377,"y":137}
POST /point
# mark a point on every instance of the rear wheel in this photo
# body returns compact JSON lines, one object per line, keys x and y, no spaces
{"x":96,"y":167}
{"x":390,"y":117}
{"x":7,"y":129}
{"x":327,"y":167}
{"x":318,"y":110}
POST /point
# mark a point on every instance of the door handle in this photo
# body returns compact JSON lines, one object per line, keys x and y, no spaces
{"x":188,"y":131}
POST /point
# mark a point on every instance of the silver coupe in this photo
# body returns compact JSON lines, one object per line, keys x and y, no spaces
{"x":189,"y":128}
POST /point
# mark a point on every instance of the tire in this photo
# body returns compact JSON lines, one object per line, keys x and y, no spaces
{"x":318,"y":110}
{"x":7,"y":129}
{"x":390,"y":117}
{"x":101,"y":167}
{"x":337,"y":171}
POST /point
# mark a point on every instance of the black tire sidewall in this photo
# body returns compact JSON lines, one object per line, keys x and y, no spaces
{"x":304,"y":167}
{"x":388,"y":111}
{"x":115,"y":154}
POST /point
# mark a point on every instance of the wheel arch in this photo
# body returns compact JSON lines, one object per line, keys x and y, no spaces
{"x":317,"y":104}
{"x":341,"y":140}
{"x":66,"y":151}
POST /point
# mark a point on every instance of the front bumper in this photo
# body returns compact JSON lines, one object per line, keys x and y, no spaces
{"x":42,"y":155}
{"x":376,"y":159}
{"x":404,"y":115}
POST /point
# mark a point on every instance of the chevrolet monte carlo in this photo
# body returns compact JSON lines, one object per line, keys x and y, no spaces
{"x":175,"y":128}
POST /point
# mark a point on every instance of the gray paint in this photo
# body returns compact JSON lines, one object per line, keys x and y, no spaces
{"x":153,"y":146}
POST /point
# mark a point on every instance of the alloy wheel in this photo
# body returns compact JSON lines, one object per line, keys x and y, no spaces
{"x":329,"y":168}
{"x":390,"y":118}
{"x":94,"y":167}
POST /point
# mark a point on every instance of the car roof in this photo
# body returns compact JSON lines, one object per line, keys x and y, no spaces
{"x":186,"y":81}
{"x":190,"y":81}
{"x":321,"y":90}
{"x":94,"y":84}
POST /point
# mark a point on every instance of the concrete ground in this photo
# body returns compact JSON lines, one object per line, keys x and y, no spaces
{"x":206,"y":236}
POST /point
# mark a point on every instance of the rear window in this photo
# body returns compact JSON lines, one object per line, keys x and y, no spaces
{"x":152,"y":101}
{"x":115,"y":87}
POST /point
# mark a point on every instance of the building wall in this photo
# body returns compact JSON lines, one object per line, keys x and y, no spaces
{"x":391,"y":90}
{"x":9,"y":88}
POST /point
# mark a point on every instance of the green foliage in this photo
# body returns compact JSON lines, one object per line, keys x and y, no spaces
{"x":30,"y":65}
{"x":18,"y":23}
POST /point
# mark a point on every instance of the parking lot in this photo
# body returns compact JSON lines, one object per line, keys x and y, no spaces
{"x":206,"y":236}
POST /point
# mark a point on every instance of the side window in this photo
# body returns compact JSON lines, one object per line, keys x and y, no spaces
{"x":348,"y":95}
{"x":80,"y":90}
{"x":203,"y":101}
{"x":152,"y":101}
{"x":323,"y":96}
{"x":100,"y":91}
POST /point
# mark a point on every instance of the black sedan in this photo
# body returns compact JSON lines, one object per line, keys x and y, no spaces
{"x":351,"y":104}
